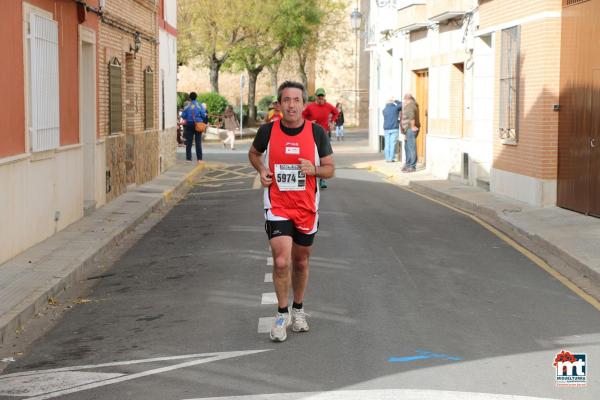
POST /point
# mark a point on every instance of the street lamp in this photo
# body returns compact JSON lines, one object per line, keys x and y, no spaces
{"x":356,"y":19}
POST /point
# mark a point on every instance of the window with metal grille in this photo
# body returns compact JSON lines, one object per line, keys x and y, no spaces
{"x":115,"y":96}
{"x":567,"y":3}
{"x":509,"y":85}
{"x":44,"y":83}
{"x":148,"y":98}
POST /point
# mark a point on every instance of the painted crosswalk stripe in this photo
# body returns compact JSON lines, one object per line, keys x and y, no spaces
{"x":265,"y":324}
{"x":269,"y":260}
{"x":269,"y":277}
{"x":269,"y":298}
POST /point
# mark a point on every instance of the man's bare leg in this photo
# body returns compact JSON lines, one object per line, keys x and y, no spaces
{"x":300,"y":256}
{"x":281,"y":248}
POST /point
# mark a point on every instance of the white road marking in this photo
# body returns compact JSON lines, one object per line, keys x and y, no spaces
{"x":269,"y":277}
{"x":246,"y":228}
{"x":270,"y":261}
{"x":269,"y":298}
{"x":15,"y":383}
{"x":39,"y":384}
{"x":265,"y":324}
{"x":379,"y":394}
{"x":256,"y":184}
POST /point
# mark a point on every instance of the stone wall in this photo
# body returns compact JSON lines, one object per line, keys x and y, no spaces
{"x":167,"y":143}
{"x":116,"y":171}
{"x":146,"y":156}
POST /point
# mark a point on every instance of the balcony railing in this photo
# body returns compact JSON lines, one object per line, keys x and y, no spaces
{"x":412,"y":16}
{"x":440,"y":11}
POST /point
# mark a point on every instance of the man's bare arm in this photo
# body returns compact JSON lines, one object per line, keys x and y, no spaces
{"x":255,"y":157}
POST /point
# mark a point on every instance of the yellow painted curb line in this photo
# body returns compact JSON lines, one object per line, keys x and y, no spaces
{"x":189,"y":179}
{"x":521,"y":249}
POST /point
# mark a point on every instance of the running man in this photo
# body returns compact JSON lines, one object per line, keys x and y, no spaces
{"x":324,"y":114}
{"x":274,"y":114}
{"x":297,"y":153}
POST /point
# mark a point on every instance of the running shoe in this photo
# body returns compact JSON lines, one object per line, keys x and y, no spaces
{"x":279,"y":329}
{"x":299,"y":323}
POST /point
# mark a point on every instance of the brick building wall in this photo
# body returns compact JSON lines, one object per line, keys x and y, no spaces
{"x":535,"y":153}
{"x":132,"y":154}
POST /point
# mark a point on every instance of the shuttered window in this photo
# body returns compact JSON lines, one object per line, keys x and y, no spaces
{"x":148,"y":98}
{"x":116,"y":96}
{"x":509,"y":85}
{"x":44,"y":83}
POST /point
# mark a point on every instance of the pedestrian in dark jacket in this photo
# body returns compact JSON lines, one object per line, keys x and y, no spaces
{"x":391,"y":130}
{"x":191,"y":114}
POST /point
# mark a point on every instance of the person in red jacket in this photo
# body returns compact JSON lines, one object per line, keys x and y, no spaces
{"x":324,"y":114}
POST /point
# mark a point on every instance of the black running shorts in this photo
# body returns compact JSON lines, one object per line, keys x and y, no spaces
{"x":286,"y":228}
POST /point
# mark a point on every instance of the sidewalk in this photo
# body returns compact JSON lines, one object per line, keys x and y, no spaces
{"x":31,"y":278}
{"x":568,"y":241}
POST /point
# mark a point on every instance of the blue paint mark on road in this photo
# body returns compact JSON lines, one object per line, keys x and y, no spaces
{"x":423,"y":355}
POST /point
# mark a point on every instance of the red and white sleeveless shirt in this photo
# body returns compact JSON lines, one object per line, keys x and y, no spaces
{"x":291,"y":189}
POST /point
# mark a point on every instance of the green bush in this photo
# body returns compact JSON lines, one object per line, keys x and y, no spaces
{"x":215,"y":103}
{"x":181,"y":98}
{"x":312,"y":98}
{"x":264,"y":103}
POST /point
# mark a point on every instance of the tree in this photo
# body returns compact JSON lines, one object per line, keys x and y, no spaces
{"x":273,"y":68}
{"x":321,"y":36}
{"x":209,"y":33}
{"x":271,"y":29}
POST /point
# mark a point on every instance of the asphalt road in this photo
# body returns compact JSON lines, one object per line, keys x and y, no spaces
{"x":408,"y":299}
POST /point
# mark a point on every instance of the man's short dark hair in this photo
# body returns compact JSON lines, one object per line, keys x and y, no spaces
{"x":193,"y":96}
{"x":292,"y":84}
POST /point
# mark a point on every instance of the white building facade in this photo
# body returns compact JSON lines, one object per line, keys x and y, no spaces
{"x":167,"y":89}
{"x":428,"y":48}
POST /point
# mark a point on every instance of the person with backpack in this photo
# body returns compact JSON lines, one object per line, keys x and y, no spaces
{"x":194,"y":116}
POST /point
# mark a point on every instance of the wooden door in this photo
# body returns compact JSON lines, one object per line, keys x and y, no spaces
{"x":422,"y":97}
{"x":594,"y":169}
{"x":578,"y":183}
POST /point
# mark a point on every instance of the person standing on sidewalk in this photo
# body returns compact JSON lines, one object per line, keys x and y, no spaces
{"x":339,"y":123}
{"x":410,"y":128}
{"x":297,"y":153}
{"x":192,"y":114}
{"x":324,"y":114}
{"x":231,"y":125}
{"x":391,"y":113}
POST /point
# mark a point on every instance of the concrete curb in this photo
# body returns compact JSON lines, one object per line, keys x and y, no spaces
{"x":49,"y":260}
{"x":576,"y":271}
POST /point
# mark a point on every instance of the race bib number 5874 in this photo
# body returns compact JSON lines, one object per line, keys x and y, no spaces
{"x":289,"y":177}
